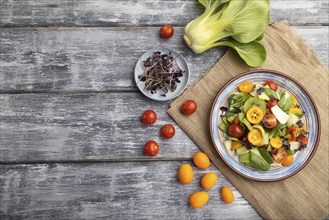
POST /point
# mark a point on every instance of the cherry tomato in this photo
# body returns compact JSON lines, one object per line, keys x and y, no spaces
{"x":271,"y":103}
{"x":166,"y":31}
{"x":293,"y":132}
{"x":167,"y":131}
{"x":151,"y":148}
{"x":189,"y":107}
{"x":272,"y":85}
{"x":235,"y":130}
{"x":270,"y":121}
{"x":149,"y":117}
{"x":279,"y":154}
{"x":302,"y":138}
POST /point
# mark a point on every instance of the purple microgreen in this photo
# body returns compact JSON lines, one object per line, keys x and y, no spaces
{"x":286,"y":144}
{"x":223,"y":109}
{"x":300,"y":123}
{"x":301,"y":147}
{"x":161,"y":72}
{"x":260,"y":91}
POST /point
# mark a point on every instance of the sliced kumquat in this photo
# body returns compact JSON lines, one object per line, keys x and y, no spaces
{"x":246,"y":87}
{"x":255,"y":115}
{"x":255,"y":137}
{"x":276,"y":142}
{"x":288,"y":161}
{"x":235,"y":145}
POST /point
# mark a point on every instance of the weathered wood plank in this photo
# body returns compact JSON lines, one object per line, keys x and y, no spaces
{"x":98,"y":59}
{"x":147,"y":190}
{"x":147,"y":12}
{"x":74,"y":127}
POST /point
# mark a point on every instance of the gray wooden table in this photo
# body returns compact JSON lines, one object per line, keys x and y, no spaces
{"x":71,"y":141}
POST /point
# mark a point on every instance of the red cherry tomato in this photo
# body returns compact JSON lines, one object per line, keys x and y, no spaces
{"x":167,"y":131}
{"x":302,"y":138}
{"x":235,"y":130}
{"x":270,"y":121}
{"x":166,"y":31}
{"x":151,"y":148}
{"x":272,"y":85}
{"x":293,"y":132}
{"x":149,"y":117}
{"x":271,"y":103}
{"x":189,"y":107}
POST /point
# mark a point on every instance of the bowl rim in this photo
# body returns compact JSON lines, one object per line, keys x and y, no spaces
{"x":304,"y":90}
{"x":161,"y":49}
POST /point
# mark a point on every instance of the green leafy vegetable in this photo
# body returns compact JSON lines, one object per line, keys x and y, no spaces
{"x":222,"y":126}
{"x":231,"y":138}
{"x":236,"y":101}
{"x":257,"y":159}
{"x":289,"y":152}
{"x":233,"y":23}
{"x":277,"y":131}
{"x":253,"y":53}
{"x":266,"y":155}
{"x":285,"y":102}
{"x":232,"y":117}
{"x":271,"y":93}
{"x":247,"y":124}
{"x":299,"y":115}
{"x":241,"y":116}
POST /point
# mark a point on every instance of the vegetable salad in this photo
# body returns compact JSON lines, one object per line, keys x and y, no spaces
{"x":264,"y":127}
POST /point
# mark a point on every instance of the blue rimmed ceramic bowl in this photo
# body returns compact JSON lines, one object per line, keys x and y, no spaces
{"x":304,"y":100}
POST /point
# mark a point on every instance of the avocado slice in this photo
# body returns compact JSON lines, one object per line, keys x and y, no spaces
{"x":254,"y":101}
{"x":264,"y":134}
{"x":261,"y":129}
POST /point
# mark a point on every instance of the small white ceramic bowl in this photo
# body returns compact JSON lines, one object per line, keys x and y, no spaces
{"x":139,"y":69}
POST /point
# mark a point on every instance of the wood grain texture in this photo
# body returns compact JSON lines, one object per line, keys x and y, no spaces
{"x":148,"y":190}
{"x":99,"y":59}
{"x":137,"y":13}
{"x":87,"y":126}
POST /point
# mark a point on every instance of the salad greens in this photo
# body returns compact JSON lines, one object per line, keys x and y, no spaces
{"x":285,"y":102}
{"x":259,"y":161}
{"x":233,"y":23}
